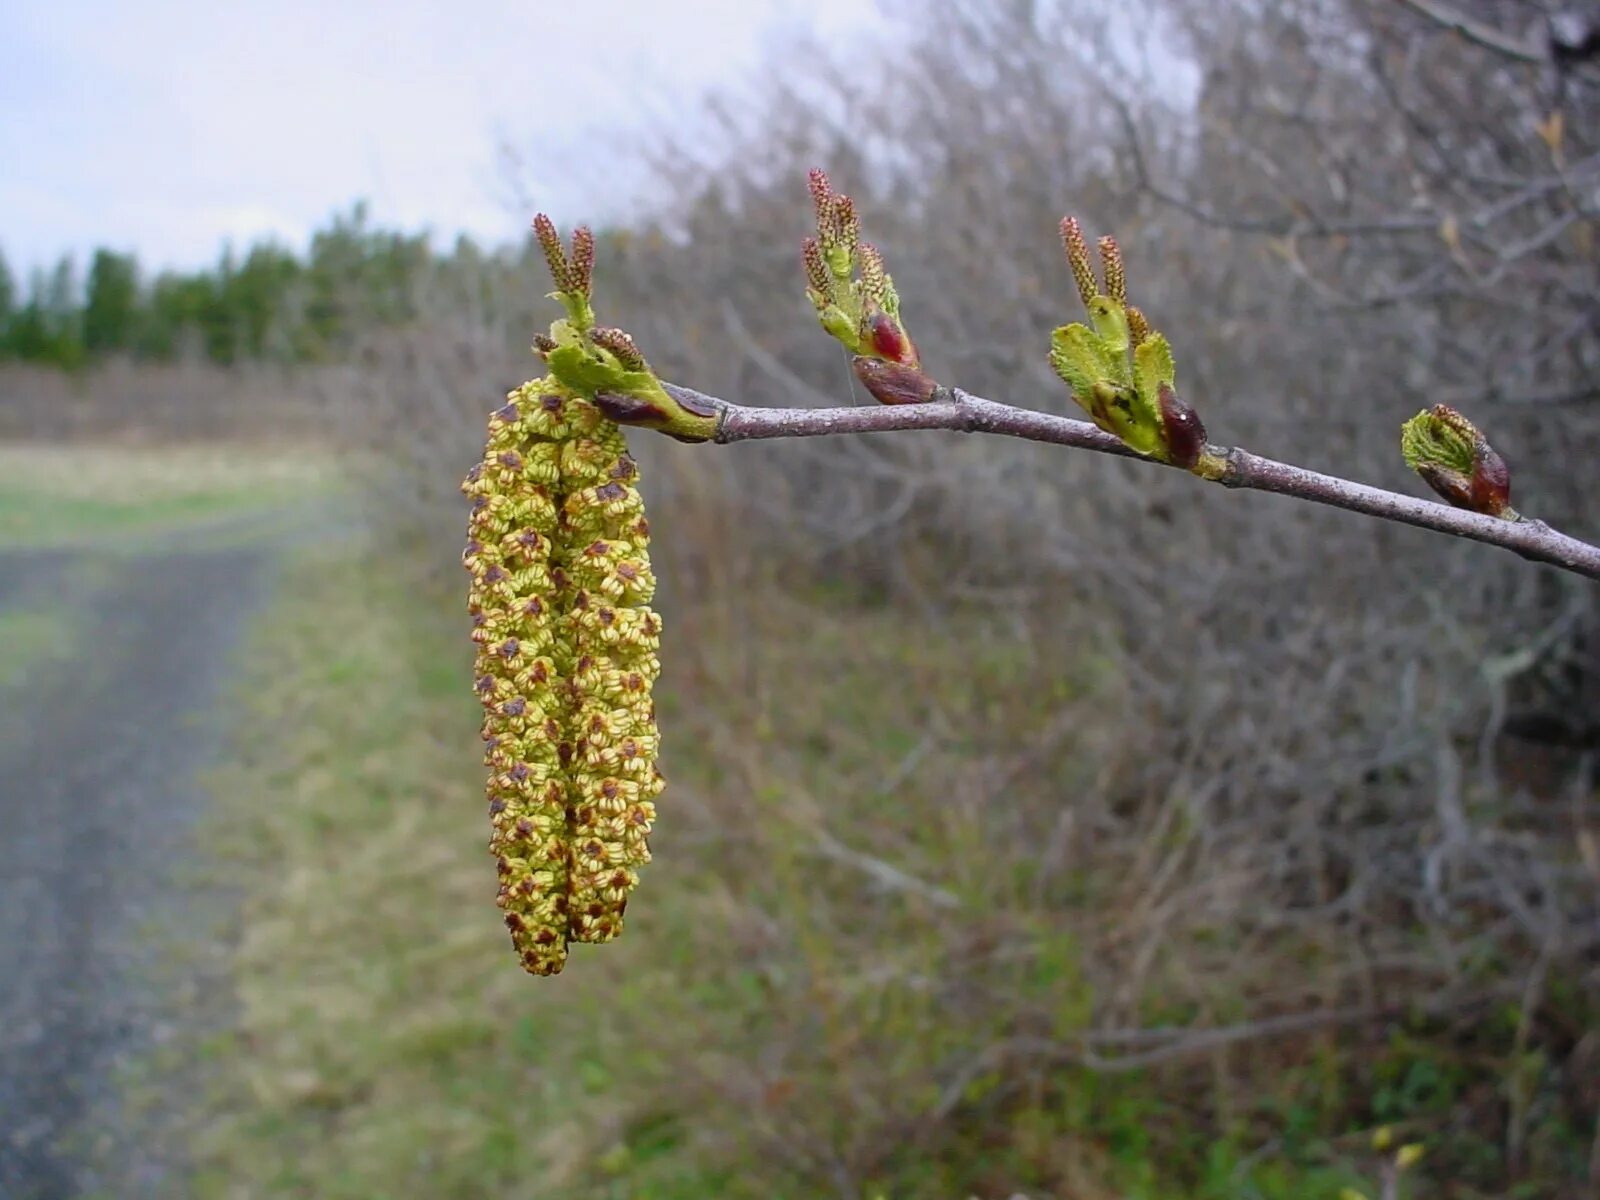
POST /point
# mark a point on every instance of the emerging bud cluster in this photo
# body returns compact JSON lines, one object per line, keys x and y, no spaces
{"x":862,"y":313}
{"x":1457,"y":462}
{"x":1121,"y":370}
{"x":605,"y":365}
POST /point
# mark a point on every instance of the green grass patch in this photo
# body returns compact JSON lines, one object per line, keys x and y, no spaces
{"x":67,"y":494}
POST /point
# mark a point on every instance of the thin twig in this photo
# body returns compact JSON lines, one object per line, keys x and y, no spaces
{"x":1484,"y":35}
{"x":1165,"y":1045}
{"x":956,"y":411}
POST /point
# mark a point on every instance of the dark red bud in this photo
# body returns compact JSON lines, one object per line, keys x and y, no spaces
{"x":1182,"y":430}
{"x":1491,"y":481}
{"x":629,"y":410}
{"x":890,"y":341}
{"x":893,"y":383}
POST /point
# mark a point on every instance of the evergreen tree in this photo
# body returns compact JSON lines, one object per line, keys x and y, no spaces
{"x":254,"y":296}
{"x":8,"y":304}
{"x":27,"y":332}
{"x":8,"y":291}
{"x":177,"y":314}
{"x":111,"y":310}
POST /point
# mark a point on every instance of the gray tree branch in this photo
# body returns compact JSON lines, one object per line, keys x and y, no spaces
{"x":957,"y":411}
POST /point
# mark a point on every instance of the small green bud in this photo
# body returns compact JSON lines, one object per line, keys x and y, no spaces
{"x":835,"y":322}
{"x":1111,"y":326}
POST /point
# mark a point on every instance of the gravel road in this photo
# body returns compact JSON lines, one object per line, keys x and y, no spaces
{"x":99,"y":749}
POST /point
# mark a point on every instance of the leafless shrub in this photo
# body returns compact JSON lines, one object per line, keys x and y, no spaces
{"x":147,"y":402}
{"x":1302,"y":792}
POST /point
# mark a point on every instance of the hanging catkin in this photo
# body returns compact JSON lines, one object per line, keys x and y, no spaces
{"x":561,"y":584}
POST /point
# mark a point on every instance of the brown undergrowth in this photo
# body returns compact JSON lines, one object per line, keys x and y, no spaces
{"x":908,"y":898}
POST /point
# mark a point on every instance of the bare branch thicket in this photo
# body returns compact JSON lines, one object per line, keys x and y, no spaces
{"x":1291,"y":789}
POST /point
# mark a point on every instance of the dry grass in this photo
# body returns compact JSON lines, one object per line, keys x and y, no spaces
{"x":860,"y":889}
{"x":183,"y":402}
{"x":54,"y":493}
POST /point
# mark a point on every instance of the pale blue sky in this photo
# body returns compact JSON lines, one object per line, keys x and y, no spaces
{"x":170,"y":126}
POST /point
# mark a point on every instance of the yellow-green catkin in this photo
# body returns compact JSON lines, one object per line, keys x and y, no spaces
{"x":561,"y":583}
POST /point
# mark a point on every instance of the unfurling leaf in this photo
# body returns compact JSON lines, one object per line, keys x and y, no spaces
{"x":1121,"y":370}
{"x":1457,"y":462}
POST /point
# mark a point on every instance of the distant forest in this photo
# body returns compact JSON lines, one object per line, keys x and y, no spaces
{"x":266,"y":303}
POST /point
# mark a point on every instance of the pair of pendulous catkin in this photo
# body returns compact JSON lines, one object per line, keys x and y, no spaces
{"x":566,"y":659}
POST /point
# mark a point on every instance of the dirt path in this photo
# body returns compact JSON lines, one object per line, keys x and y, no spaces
{"x":99,"y":750}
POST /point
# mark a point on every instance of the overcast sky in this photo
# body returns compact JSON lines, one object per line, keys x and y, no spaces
{"x":168,"y":127}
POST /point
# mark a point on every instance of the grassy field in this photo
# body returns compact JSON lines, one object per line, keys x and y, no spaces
{"x":825,"y":937}
{"x":69,"y":495}
{"x":108,"y":500}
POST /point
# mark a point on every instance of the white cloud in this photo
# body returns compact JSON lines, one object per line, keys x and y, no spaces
{"x":170,"y":126}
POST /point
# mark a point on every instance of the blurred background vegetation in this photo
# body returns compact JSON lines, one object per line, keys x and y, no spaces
{"x":1035,"y":824}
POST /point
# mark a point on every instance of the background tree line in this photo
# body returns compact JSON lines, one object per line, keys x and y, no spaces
{"x":268,"y":303}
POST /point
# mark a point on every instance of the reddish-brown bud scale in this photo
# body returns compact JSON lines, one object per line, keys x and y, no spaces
{"x":893,"y":383}
{"x":1491,"y":481}
{"x":1181,"y":428}
{"x":1447,"y":484}
{"x":890,"y":340}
